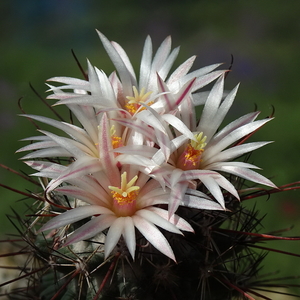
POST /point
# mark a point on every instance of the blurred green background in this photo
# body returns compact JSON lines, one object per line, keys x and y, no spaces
{"x":263,"y":37}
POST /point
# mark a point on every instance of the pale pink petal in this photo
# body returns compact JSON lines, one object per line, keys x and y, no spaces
{"x":154,"y":218}
{"x":107,"y":91}
{"x":81,"y":194}
{"x":161,"y":54}
{"x":70,"y":129}
{"x":213,"y":188}
{"x":150,"y":190}
{"x":224,"y":107}
{"x":47,"y":169}
{"x":145,"y":63}
{"x":129,"y":235}
{"x":158,"y":196}
{"x":187,"y":113}
{"x":76,"y":85}
{"x":154,"y":236}
{"x":167,"y":65}
{"x":181,"y":70}
{"x":48,"y":152}
{"x":90,"y":184}
{"x":107,"y":157}
{"x":179,"y":125}
{"x":227,"y":185}
{"x":159,"y":158}
{"x":113,"y":235}
{"x":48,"y":143}
{"x":144,"y":150}
{"x":75,"y":148}
{"x":137,"y":125}
{"x":203,"y":71}
{"x":125,"y":58}
{"x":123,"y":72}
{"x":137,"y":160}
{"x":200,"y":203}
{"x":152,"y":118}
{"x":246,"y":119}
{"x":87,"y":117}
{"x":68,"y":80}
{"x":179,"y":222}
{"x":234,"y":152}
{"x":197,"y":193}
{"x":78,"y":168}
{"x":73,"y":215}
{"x":184,"y":92}
{"x":177,"y":193}
{"x":212,"y":180}
{"x":90,"y":229}
{"x":94,"y":80}
{"x":211,"y":105}
{"x":232,"y":137}
{"x":206,"y":79}
{"x":247,"y":174}
{"x":217,"y":165}
{"x":166,"y":95}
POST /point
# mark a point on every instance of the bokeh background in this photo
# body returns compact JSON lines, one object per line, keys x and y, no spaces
{"x":262,"y":36}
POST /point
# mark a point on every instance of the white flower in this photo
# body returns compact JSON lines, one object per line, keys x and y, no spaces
{"x":119,"y":205}
{"x":124,"y":92}
{"x":198,"y":153}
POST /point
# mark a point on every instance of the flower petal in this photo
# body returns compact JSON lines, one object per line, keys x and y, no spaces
{"x":78,"y":168}
{"x":90,"y":229}
{"x":199,"y":200}
{"x":113,"y":235}
{"x":73,"y":215}
{"x":129,"y":235}
{"x":157,"y":220}
{"x":125,"y":76}
{"x":175,"y":220}
{"x":235,"y":151}
{"x":247,"y":174}
{"x":154,"y":236}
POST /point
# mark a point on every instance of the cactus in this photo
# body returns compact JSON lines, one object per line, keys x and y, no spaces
{"x":133,"y":164}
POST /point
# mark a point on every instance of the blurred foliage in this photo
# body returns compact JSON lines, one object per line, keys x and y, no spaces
{"x":262,"y":36}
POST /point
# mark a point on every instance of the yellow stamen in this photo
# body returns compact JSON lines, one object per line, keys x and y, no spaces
{"x":138,"y":97}
{"x":127,"y":193}
{"x":115,"y":140}
{"x":191,"y":156}
{"x":134,"y":101}
{"x":200,"y":141}
{"x":112,"y":130}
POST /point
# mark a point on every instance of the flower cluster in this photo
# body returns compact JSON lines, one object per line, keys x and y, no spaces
{"x":137,"y":151}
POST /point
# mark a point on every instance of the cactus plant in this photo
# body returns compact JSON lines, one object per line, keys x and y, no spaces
{"x":140,"y":199}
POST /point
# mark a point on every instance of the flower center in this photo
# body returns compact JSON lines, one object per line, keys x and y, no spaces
{"x":116,"y":141}
{"x":125,"y":196}
{"x":191,"y":156}
{"x":134,"y":101}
